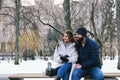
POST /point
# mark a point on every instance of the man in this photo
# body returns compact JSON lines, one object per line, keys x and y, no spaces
{"x":88,"y":62}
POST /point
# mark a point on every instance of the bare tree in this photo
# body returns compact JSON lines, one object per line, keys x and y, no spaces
{"x":96,"y":15}
{"x":118,"y":29}
{"x":15,"y":15}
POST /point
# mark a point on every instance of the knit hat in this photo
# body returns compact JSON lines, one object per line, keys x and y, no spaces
{"x":82,"y":31}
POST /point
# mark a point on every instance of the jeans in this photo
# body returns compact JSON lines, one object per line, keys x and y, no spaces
{"x":64,"y":71}
{"x":94,"y":72}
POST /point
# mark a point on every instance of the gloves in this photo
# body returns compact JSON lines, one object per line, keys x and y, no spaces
{"x":64,"y":58}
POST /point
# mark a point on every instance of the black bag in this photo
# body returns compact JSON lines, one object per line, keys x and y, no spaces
{"x":50,"y":71}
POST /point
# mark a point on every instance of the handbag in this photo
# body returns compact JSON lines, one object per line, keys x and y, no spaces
{"x":51,"y":71}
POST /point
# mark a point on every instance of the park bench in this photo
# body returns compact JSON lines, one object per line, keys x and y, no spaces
{"x":107,"y":76}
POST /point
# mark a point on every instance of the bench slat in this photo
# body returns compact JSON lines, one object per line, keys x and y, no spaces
{"x":40,"y":75}
{"x":29,"y":75}
{"x":112,"y":74}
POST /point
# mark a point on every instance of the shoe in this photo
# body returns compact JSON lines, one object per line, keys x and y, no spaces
{"x":57,"y":78}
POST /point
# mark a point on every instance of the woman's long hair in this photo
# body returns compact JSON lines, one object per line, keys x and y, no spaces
{"x":70,"y":36}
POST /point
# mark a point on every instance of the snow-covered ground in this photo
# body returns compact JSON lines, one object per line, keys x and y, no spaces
{"x":39,"y":66}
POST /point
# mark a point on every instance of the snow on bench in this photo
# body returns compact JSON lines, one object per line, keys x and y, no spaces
{"x":40,"y":75}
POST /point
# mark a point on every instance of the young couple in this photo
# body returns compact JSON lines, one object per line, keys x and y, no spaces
{"x":76,"y":59}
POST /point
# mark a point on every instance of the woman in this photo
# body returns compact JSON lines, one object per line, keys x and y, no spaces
{"x":65,"y":54}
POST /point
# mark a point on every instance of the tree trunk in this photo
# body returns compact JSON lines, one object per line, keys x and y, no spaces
{"x":17,"y":3}
{"x":0,"y":4}
{"x":66,"y":6}
{"x":118,"y":28}
{"x":94,"y":29}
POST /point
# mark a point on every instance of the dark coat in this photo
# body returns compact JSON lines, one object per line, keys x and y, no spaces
{"x":89,"y":55}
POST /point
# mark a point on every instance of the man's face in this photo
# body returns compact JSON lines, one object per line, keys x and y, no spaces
{"x":79,"y":37}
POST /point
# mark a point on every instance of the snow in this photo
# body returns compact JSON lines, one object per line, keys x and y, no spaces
{"x":30,"y":66}
{"x":39,"y":66}
{"x":110,"y":66}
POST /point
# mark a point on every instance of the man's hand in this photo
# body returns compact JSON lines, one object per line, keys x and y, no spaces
{"x":78,"y":66}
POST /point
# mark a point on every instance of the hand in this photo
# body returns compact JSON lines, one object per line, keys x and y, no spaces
{"x":78,"y":66}
{"x":64,"y":58}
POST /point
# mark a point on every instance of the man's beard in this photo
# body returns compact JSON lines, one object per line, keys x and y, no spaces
{"x":80,"y":40}
{"x":79,"y":43}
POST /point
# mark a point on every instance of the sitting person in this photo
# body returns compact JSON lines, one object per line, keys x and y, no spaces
{"x":65,"y":54}
{"x":88,"y":57}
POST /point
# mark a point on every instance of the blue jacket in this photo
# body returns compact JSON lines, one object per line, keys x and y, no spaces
{"x":89,"y":55}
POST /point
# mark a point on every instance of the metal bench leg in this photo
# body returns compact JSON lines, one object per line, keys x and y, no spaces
{"x":113,"y":78}
{"x":16,"y":79}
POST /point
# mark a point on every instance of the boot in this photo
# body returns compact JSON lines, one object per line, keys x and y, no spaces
{"x":57,"y":78}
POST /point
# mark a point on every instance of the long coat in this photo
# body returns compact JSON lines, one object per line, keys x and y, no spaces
{"x":62,"y":50}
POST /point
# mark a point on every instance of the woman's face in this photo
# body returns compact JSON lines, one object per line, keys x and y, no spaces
{"x":66,"y":38}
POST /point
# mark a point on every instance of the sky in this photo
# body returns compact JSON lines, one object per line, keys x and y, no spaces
{"x":28,"y":2}
{"x":58,"y":1}
{"x":32,"y":2}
